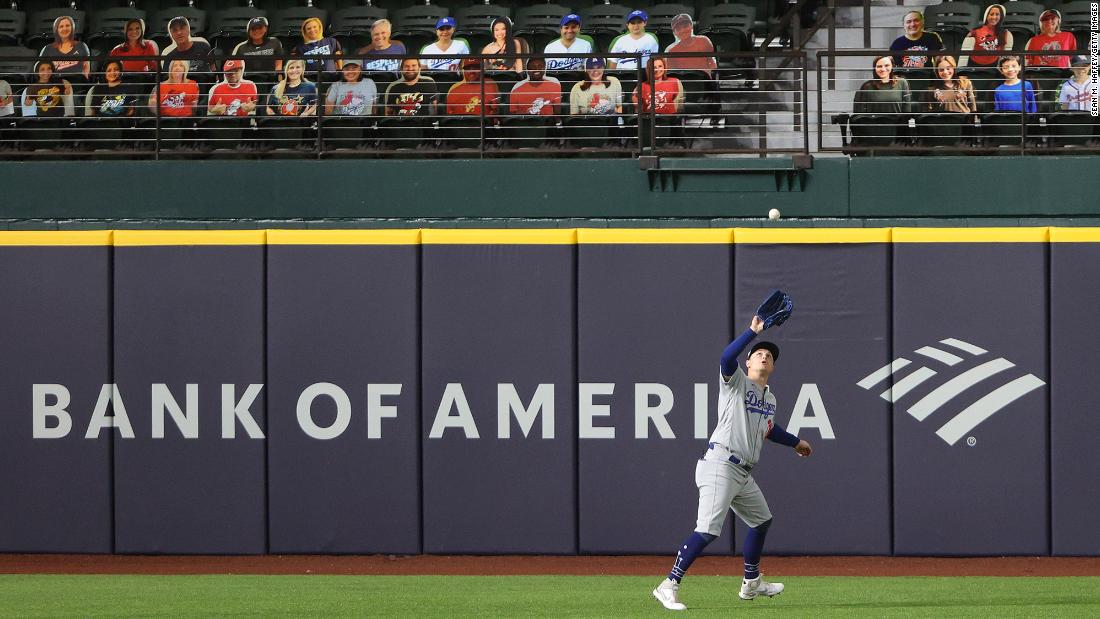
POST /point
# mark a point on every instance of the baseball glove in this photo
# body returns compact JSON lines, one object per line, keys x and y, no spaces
{"x":776,"y":309}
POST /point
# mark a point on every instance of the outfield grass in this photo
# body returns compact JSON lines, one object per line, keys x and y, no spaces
{"x":536,"y":596}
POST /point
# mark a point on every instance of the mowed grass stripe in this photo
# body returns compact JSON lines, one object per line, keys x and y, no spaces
{"x":536,"y":596}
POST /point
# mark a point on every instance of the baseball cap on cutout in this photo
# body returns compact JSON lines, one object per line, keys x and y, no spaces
{"x":232,"y":65}
{"x":683,"y":19}
{"x":768,"y":346}
{"x":1080,"y":61}
{"x":446,"y":22}
{"x":594,"y":63}
{"x":637,"y":14}
{"x":572,"y":17}
{"x":256,"y":22}
{"x":471,"y":63}
{"x":1049,"y":14}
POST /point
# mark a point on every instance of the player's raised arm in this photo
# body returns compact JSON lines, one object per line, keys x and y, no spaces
{"x":737,"y":346}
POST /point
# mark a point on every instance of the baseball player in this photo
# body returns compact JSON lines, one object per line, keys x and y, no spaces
{"x":746,"y":416}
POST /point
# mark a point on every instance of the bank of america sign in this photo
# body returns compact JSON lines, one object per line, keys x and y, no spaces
{"x":938,"y":362}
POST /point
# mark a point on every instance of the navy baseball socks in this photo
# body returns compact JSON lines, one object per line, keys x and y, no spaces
{"x":753,"y":585}
{"x":754,"y":545}
{"x":690,"y":549}
{"x":668,"y":592}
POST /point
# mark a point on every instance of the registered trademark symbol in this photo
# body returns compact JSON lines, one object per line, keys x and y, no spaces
{"x":970,"y":440}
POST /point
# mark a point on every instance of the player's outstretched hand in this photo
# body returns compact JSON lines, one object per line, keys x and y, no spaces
{"x":803,"y":449}
{"x":757,"y":324}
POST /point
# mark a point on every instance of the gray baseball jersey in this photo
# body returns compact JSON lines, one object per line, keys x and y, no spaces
{"x":745,"y":414}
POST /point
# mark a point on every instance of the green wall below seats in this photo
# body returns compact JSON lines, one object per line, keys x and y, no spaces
{"x":534,"y":190}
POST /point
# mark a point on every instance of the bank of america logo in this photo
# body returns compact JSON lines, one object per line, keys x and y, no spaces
{"x":948,"y":355}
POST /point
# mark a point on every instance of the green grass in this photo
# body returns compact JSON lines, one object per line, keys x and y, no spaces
{"x":536,"y":596}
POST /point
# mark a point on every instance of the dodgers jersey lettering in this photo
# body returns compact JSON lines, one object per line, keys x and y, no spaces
{"x":745,"y":416}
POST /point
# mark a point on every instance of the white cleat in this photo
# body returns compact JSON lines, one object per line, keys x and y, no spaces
{"x":758,"y":586}
{"x":668,"y":594}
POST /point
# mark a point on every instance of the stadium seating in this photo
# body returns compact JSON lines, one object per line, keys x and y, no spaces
{"x":604,"y":22}
{"x":728,"y":27}
{"x":107,"y":25}
{"x":157,"y":28}
{"x":13,"y":25}
{"x":1022,"y":20}
{"x":415,"y":25}
{"x":660,"y":20}
{"x":540,"y":24}
{"x":1076,"y":18}
{"x":474,"y":21}
{"x":286,"y":24}
{"x":229,"y":26}
{"x":351,"y":25}
{"x":40,"y":25}
{"x":951,"y":20}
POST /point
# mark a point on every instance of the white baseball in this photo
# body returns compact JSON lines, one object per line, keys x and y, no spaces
{"x":773,"y":214}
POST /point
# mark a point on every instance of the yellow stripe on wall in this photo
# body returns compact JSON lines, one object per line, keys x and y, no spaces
{"x":812,"y":235}
{"x":1075,"y":235}
{"x":143,"y":238}
{"x":344,"y":237}
{"x":655,"y":235}
{"x":508,"y":236}
{"x":46,"y":238}
{"x":547,"y":236}
{"x":971,"y":235}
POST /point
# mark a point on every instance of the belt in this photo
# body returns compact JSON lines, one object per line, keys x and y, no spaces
{"x":732,"y":458}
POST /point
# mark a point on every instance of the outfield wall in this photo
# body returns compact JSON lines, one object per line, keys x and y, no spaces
{"x":541,"y":391}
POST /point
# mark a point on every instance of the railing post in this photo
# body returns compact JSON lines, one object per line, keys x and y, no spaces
{"x":156,"y":122}
{"x":481,"y":110}
{"x":319,"y":115}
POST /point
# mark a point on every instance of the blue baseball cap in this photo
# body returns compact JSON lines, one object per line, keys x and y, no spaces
{"x":593,"y":63}
{"x":445,"y":22}
{"x":572,"y":17}
{"x":637,"y":14}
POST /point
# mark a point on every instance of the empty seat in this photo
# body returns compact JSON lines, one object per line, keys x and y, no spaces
{"x":230,"y":26}
{"x":540,"y":24}
{"x":16,"y":63}
{"x":729,"y":28}
{"x":107,"y":26}
{"x":589,"y":132}
{"x":40,"y":25}
{"x":351,"y":25}
{"x":941,"y":130}
{"x":1004,"y":129}
{"x":1070,"y":129}
{"x":660,"y":20}
{"x":604,"y":22}
{"x":1076,"y":18}
{"x":871,"y":133}
{"x":287,"y":23}
{"x":460,"y":133}
{"x":13,"y":25}
{"x":415,"y":25}
{"x":1022,"y":20}
{"x":952,"y":20}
